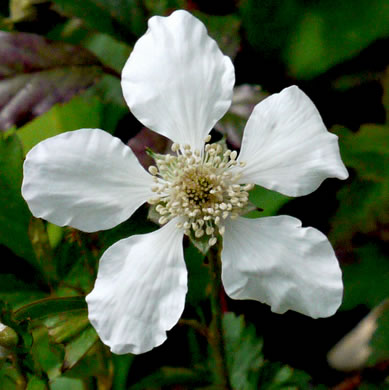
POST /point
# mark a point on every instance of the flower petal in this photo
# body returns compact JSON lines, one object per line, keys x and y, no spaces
{"x":86,"y":179}
{"x":287,"y":147}
{"x":177,"y":81}
{"x":276,"y":261}
{"x":140,"y":290}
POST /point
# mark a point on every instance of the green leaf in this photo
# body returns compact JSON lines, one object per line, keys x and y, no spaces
{"x":18,"y":293}
{"x":36,"y":383}
{"x":269,"y":201}
{"x":111,"y":52}
{"x":363,"y":206}
{"x":67,"y":325}
{"x":275,"y":376}
{"x":47,"y":356}
{"x":168,"y":376}
{"x":123,"y":19}
{"x":122,"y":365}
{"x":367,"y":151}
{"x":243,"y":352}
{"x":50,"y":306}
{"x":62,"y":383}
{"x":14,"y":213}
{"x":11,"y":378}
{"x":372,"y":267}
{"x":268,"y":24}
{"x":43,"y":253}
{"x":329,"y":32}
{"x":80,"y":112}
{"x":225,"y":30}
{"x":198,"y":276}
{"x":36,"y":73}
{"x":109,"y":91}
{"x":78,"y":347}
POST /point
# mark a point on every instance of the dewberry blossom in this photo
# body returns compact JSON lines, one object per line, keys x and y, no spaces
{"x":178,"y":83}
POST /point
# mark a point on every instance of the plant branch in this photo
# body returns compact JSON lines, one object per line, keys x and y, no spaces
{"x":215,"y":335}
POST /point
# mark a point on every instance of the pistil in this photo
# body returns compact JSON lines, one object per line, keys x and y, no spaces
{"x":201,"y":188}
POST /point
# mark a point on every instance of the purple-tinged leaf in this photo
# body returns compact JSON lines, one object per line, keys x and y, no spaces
{"x":36,"y":73}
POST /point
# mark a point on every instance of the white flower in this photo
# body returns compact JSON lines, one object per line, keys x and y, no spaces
{"x":178,"y":83}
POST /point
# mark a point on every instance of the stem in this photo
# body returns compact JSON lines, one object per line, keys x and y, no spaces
{"x":215,"y":336}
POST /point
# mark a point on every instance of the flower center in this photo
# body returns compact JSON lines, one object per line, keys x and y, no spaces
{"x":202,"y":189}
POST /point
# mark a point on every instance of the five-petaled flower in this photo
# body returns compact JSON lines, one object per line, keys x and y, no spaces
{"x":178,"y":83}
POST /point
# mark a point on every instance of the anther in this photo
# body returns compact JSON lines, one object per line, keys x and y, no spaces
{"x":175,"y":148}
{"x":212,"y":241}
{"x":233,"y":155}
{"x":153,"y":170}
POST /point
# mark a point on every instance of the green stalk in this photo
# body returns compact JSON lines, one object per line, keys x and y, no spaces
{"x":215,"y":336}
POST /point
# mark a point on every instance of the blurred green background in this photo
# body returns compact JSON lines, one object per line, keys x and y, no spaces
{"x":60,"y":64}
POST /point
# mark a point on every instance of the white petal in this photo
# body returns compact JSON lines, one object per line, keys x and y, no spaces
{"x":140,"y":290}
{"x":177,"y":81}
{"x":287,"y":147}
{"x":276,"y":261}
{"x":86,"y":179}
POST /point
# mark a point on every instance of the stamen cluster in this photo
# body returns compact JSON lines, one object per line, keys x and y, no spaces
{"x":199,"y":187}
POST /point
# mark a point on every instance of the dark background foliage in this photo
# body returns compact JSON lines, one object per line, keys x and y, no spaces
{"x":60,"y":64}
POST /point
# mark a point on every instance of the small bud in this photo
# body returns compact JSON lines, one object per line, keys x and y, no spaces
{"x":8,"y":337}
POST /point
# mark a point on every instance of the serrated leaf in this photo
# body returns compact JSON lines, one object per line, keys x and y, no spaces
{"x":123,"y":19}
{"x":243,"y":350}
{"x":50,"y":306}
{"x":36,"y":73}
{"x":14,"y":215}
